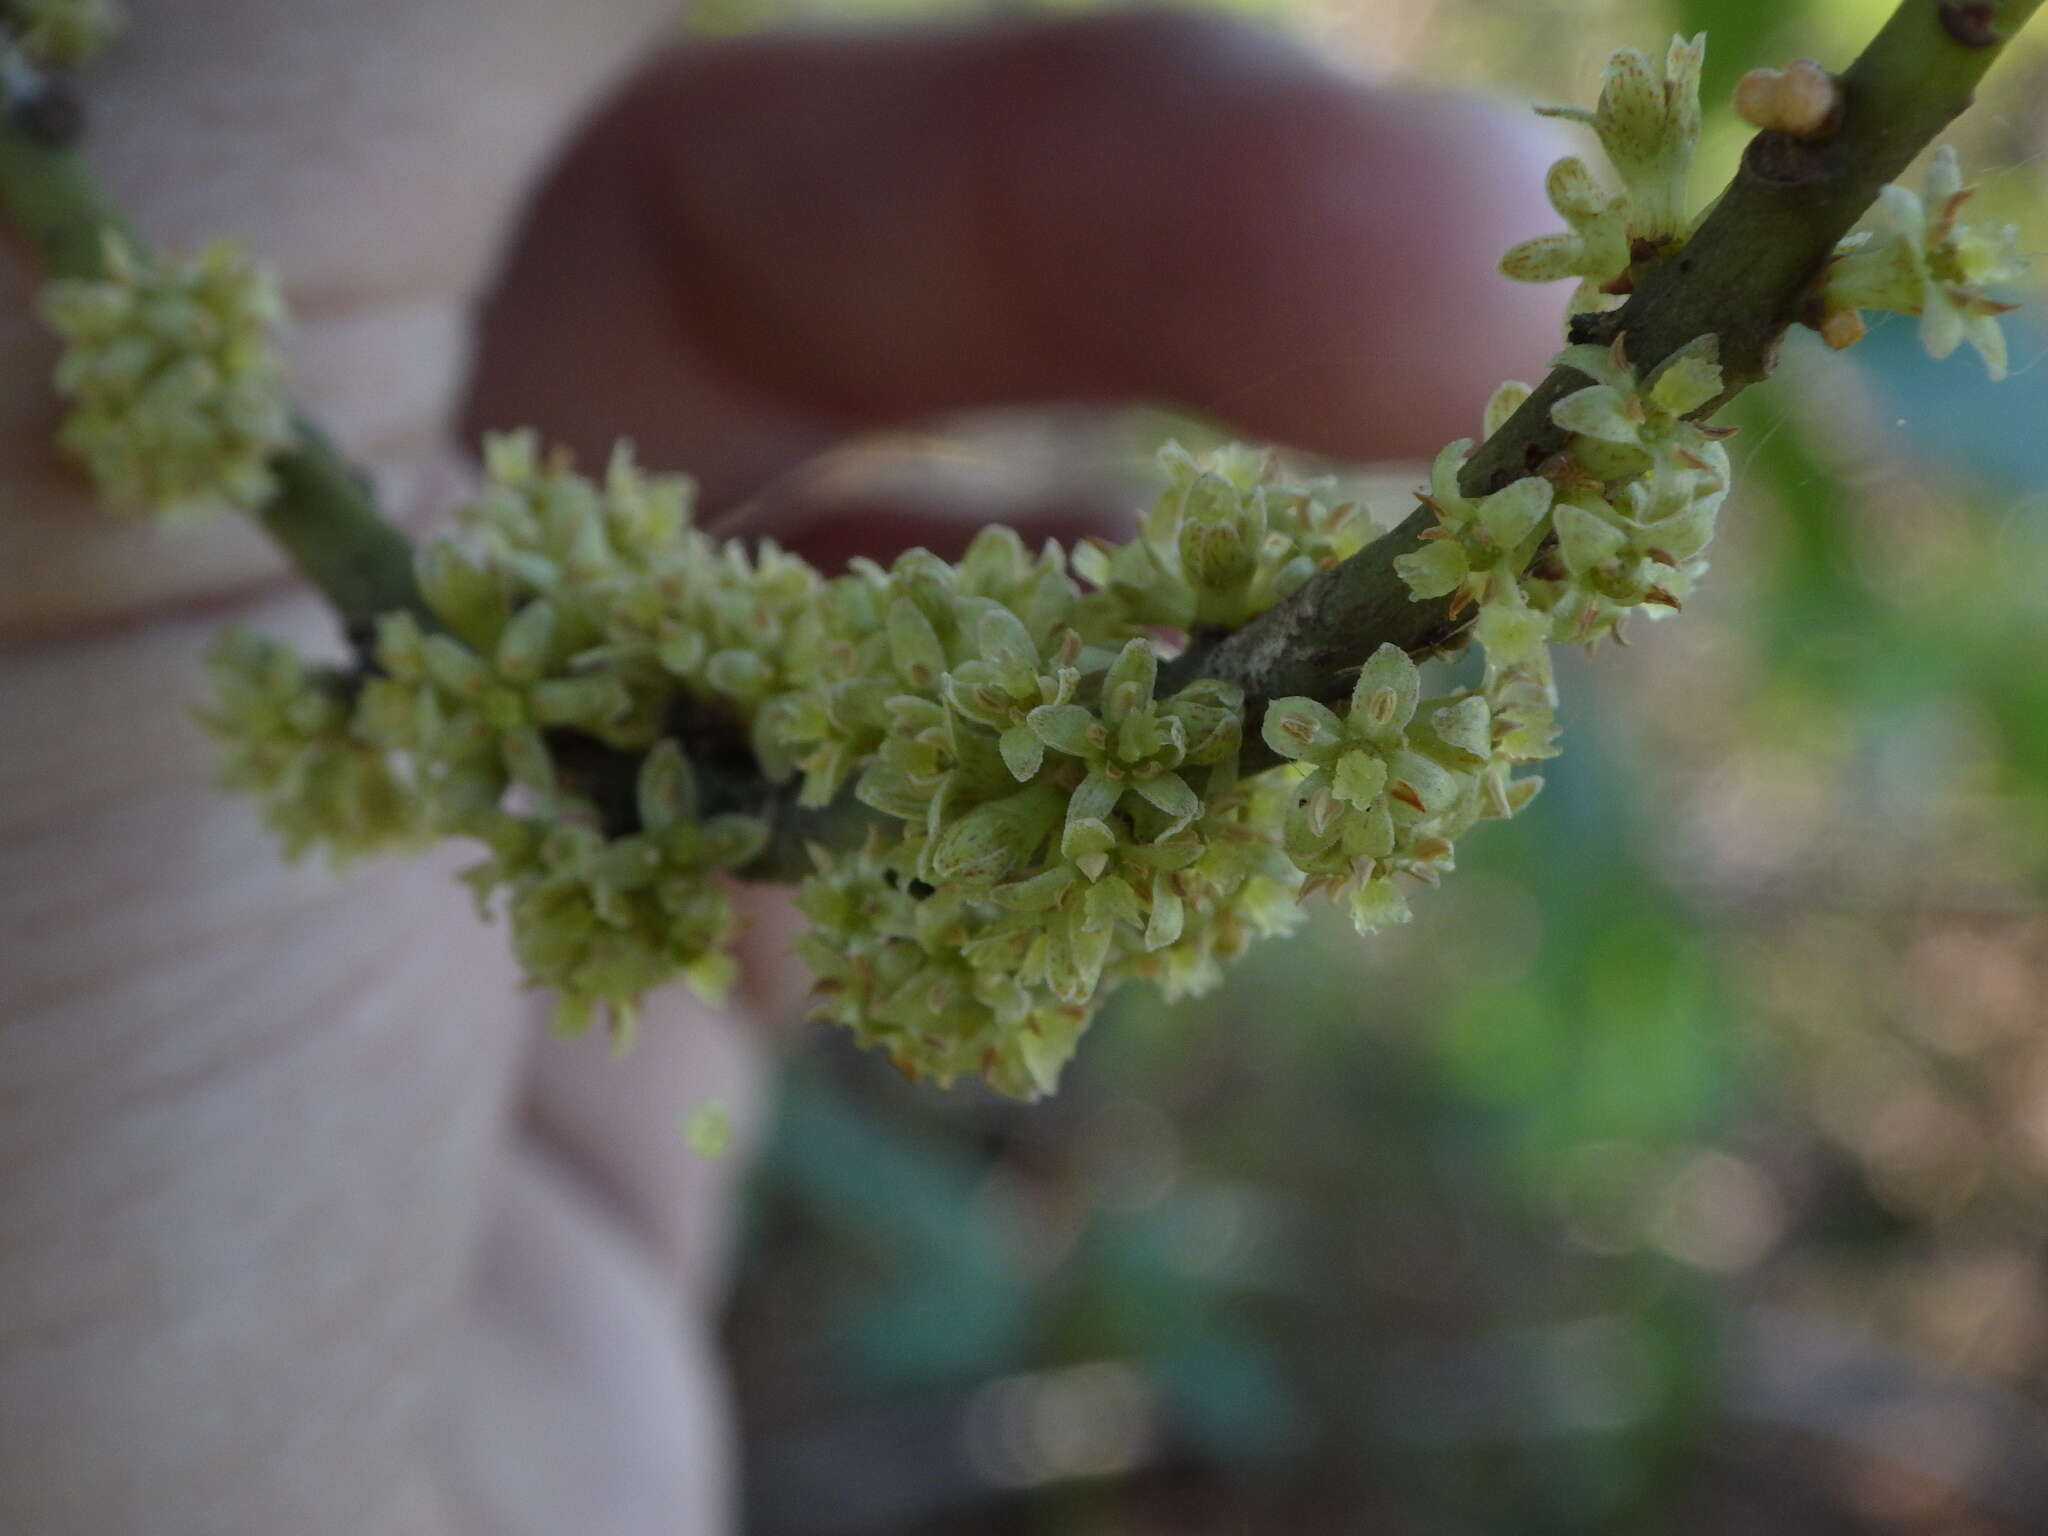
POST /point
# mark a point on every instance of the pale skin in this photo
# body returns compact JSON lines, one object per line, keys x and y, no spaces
{"x":305,"y":1224}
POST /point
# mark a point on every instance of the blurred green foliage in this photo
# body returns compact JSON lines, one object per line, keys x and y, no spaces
{"x":1536,"y":1234}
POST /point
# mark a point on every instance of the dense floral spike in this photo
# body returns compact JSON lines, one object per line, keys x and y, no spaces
{"x":64,"y":34}
{"x":1926,"y":262}
{"x":170,"y":360}
{"x":577,"y":618}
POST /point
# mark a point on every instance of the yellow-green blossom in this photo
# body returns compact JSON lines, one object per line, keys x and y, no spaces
{"x":1926,"y":262}
{"x":1594,"y":247}
{"x":1624,"y":427}
{"x":1479,"y":546}
{"x":1387,"y":782}
{"x":1648,"y":120}
{"x":1131,"y":746}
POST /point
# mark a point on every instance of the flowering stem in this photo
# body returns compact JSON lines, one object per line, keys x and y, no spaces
{"x":323,"y":514}
{"x":1744,"y":276}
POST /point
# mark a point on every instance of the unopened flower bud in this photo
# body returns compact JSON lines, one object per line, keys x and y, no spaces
{"x":1801,"y":100}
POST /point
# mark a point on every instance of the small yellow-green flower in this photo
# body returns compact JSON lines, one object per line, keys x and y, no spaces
{"x":1132,"y":745}
{"x":1648,"y":120}
{"x":1389,"y":787}
{"x":1594,"y":247}
{"x":1479,"y":546}
{"x":1928,"y":263}
{"x":1625,"y":426}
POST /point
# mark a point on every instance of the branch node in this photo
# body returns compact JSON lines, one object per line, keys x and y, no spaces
{"x":1969,"y":22}
{"x":1593,"y":327}
{"x":1784,"y":160}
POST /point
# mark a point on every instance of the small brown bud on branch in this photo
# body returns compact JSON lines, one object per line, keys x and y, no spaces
{"x":1802,"y":99}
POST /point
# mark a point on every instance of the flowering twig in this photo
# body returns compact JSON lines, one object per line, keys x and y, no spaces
{"x":1746,"y":274}
{"x":1008,"y":797}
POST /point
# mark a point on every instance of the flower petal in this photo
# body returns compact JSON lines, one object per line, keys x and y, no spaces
{"x":1023,"y":753}
{"x":1360,"y":779}
{"x":1597,"y":411}
{"x":1067,"y":728}
{"x":1170,"y":793}
{"x":1094,"y":798}
{"x":1387,"y":671}
{"x":1511,"y":514}
{"x":1300,"y":728}
{"x":1436,"y":569}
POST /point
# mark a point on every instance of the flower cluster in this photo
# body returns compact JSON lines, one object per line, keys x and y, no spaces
{"x":64,"y":33}
{"x":178,"y":394}
{"x":616,"y":705}
{"x":1395,"y":778}
{"x":533,"y":711}
{"x":1046,"y":818}
{"x":1479,"y":548}
{"x":1052,"y":820}
{"x":1646,"y":483}
{"x":1619,"y":520}
{"x":1223,"y":542}
{"x":295,"y":740}
{"x":1926,"y":262}
{"x":1648,"y":122}
{"x":1476,"y":556}
{"x":603,"y":917}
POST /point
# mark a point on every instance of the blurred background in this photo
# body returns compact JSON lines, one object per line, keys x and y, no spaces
{"x":1683,"y":1167}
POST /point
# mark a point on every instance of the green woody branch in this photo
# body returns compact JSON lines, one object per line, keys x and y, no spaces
{"x":1744,"y":276}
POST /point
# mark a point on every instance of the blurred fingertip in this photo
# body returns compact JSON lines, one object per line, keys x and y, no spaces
{"x":1316,"y":261}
